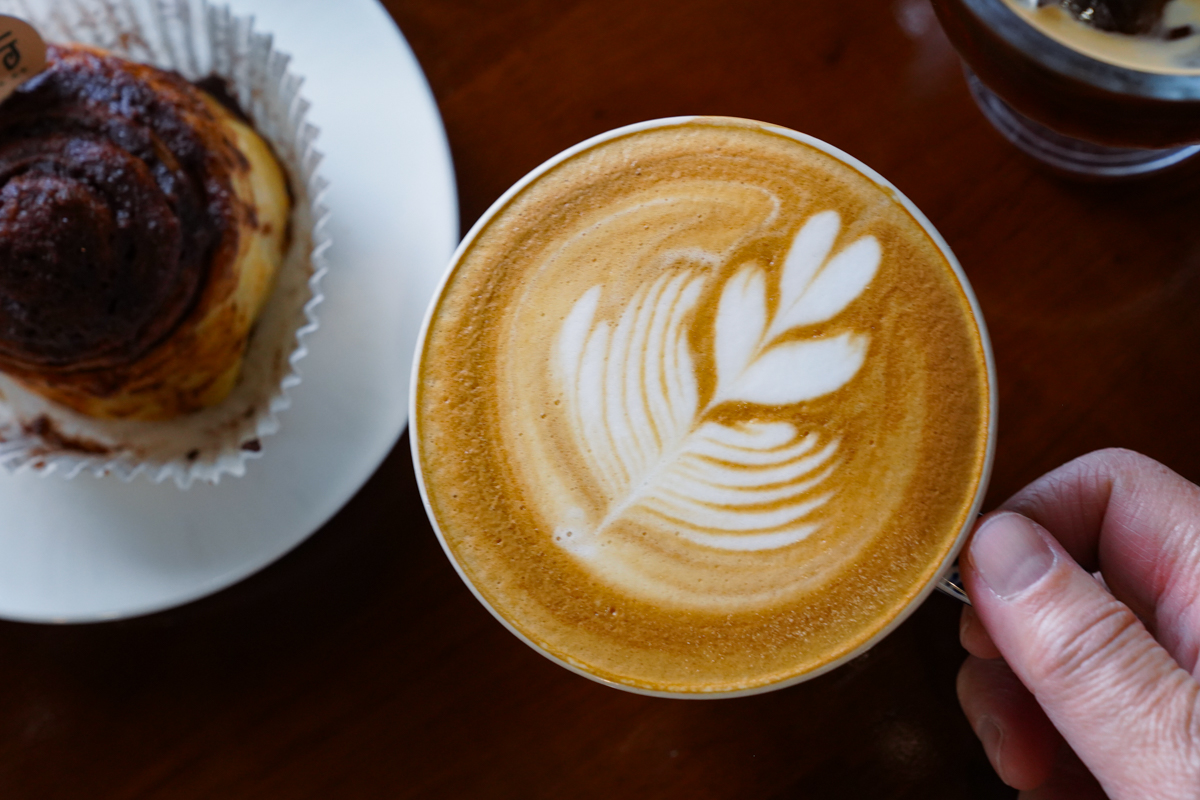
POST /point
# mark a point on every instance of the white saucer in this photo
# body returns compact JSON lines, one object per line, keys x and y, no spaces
{"x":91,"y":549}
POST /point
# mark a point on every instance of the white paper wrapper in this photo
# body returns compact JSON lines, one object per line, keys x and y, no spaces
{"x":197,"y":40}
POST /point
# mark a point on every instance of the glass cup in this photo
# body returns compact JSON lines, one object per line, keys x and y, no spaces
{"x":1078,"y":114}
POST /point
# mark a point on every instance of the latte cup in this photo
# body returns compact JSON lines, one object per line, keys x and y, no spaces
{"x":703,"y":407}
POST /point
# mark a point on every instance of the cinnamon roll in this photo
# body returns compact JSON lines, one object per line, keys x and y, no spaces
{"x":141,"y":226}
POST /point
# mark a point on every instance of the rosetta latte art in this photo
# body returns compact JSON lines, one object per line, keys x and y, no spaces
{"x":634,"y":401}
{"x":701,"y":407}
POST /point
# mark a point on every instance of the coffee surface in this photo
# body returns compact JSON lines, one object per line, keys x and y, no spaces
{"x":701,"y":409}
{"x":1159,"y":37}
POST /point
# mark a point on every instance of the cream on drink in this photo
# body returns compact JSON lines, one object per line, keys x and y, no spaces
{"x":1170,"y":47}
{"x":702,"y":408}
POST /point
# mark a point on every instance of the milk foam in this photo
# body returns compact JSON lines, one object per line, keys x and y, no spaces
{"x":632,"y":396}
{"x":700,"y":321}
{"x":701,"y":407}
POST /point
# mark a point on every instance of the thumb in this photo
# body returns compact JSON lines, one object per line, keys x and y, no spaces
{"x":1122,"y":703}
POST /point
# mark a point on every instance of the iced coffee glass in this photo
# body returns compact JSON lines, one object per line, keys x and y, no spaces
{"x":1094,"y":89}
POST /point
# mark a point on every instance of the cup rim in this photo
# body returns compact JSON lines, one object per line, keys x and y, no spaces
{"x":985,"y":344}
{"x":1057,"y":57}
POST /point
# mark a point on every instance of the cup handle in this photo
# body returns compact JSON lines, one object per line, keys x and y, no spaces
{"x":951,"y":584}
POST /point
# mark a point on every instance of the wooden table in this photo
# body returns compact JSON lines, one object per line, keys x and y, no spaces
{"x":359,"y":666}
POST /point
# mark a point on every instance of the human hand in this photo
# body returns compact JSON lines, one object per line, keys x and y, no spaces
{"x":1109,"y":665}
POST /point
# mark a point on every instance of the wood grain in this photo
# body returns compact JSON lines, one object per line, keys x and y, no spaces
{"x":359,"y":666}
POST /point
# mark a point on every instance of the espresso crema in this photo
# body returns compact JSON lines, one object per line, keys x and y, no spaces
{"x":701,"y":408}
{"x":1172,"y":47}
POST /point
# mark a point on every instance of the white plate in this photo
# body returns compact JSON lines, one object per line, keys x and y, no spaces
{"x":92,"y":549}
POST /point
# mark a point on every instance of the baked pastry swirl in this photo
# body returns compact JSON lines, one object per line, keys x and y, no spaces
{"x":141,"y":226}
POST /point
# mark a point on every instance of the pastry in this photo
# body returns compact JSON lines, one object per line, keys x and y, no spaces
{"x":142,"y":223}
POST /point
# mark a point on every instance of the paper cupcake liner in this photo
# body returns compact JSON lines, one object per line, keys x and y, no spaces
{"x":196,"y":40}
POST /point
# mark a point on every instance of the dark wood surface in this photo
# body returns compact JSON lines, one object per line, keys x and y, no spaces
{"x":359,"y":666}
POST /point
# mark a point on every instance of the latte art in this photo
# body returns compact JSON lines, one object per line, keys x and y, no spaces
{"x":701,"y":408}
{"x":635,"y":409}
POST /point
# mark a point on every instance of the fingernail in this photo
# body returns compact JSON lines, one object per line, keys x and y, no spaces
{"x":1010,"y":555}
{"x":992,"y":738}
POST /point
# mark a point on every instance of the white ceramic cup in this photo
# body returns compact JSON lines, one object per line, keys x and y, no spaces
{"x":948,"y":564}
